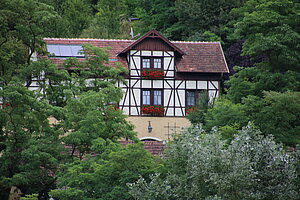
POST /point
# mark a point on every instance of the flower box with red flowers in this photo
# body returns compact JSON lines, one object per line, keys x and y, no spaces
{"x":153,"y":110}
{"x":189,"y":109}
{"x":152,"y":74}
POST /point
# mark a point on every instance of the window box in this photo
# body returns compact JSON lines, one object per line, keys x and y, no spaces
{"x":153,"y":110}
{"x":152,"y":97}
{"x":152,"y":74}
{"x":189,"y":109}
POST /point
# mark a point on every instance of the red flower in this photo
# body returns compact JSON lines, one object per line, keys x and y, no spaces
{"x":6,"y":105}
{"x":153,"y":110}
{"x":152,"y":74}
{"x":189,"y":109}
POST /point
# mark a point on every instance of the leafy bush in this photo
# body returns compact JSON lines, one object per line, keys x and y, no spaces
{"x":201,"y":166}
{"x":225,"y":113}
{"x":254,"y":81}
{"x":104,"y":175}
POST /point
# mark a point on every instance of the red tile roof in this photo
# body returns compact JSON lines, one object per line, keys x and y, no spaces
{"x":205,"y":57}
{"x":154,"y":147}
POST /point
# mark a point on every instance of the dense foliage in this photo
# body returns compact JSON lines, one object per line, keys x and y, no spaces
{"x":264,"y":89}
{"x":271,"y":29}
{"x":202,"y":166}
{"x":30,"y":146}
{"x":105,"y":175}
{"x":261,"y":37}
{"x":65,"y":109}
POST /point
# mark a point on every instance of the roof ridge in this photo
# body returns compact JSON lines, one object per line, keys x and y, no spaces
{"x":89,"y":39}
{"x":125,"y":40}
{"x":194,"y":42}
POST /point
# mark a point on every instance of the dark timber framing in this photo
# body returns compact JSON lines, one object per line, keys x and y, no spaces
{"x":186,"y":66}
{"x":177,"y":94}
{"x":173,"y":88}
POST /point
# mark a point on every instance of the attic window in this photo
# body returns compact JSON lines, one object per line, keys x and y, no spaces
{"x":152,"y":62}
{"x":157,"y":63}
{"x":146,"y":63}
{"x":65,"y":50}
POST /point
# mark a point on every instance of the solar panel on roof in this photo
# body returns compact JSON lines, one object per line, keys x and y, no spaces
{"x":76,"y":50}
{"x":63,"y":50}
{"x":53,"y":49}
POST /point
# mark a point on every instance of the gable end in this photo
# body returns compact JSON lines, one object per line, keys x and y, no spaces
{"x":153,"y":41}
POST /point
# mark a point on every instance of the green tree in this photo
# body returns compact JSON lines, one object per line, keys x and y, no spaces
{"x":91,"y":116}
{"x":107,"y":21}
{"x":254,"y":81}
{"x":159,"y":15}
{"x":196,"y":17}
{"x":225,"y":113}
{"x":91,"y":109}
{"x":105,"y":175}
{"x":23,"y":26}
{"x":205,"y":36}
{"x":77,"y":14}
{"x":201,"y":166}
{"x":276,"y":114}
{"x":30,"y":197}
{"x":73,"y":17}
{"x":30,"y":145}
{"x":271,"y":29}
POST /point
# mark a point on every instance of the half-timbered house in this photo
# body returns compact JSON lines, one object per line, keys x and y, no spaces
{"x":165,"y":77}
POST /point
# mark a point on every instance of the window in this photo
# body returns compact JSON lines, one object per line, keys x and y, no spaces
{"x":146,"y":97}
{"x":193,"y":96}
{"x":146,"y":63}
{"x":157,"y":97}
{"x":190,"y":98}
{"x":157,"y":64}
{"x":152,"y":101}
{"x":152,"y":63}
{"x":152,"y":97}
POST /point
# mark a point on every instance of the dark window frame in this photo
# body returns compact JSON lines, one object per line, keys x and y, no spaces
{"x":187,"y":100}
{"x":152,"y":97}
{"x":152,"y":62}
{"x":196,"y":96}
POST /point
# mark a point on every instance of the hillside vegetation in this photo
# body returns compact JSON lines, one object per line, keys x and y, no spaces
{"x":237,"y":147}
